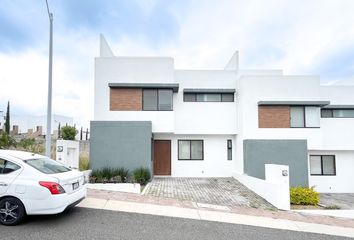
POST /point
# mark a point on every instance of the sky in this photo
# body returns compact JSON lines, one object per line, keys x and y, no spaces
{"x":301,"y":37}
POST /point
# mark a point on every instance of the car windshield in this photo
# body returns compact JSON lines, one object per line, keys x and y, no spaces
{"x":48,"y":166}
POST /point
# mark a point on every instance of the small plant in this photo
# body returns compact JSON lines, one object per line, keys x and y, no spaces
{"x":122,"y":173}
{"x":68,"y":133}
{"x":6,"y":141}
{"x":141,"y":175}
{"x":107,"y":173}
{"x":26,"y":143}
{"x":304,"y":196}
{"x":332,"y":207}
{"x":84,"y":162}
{"x":37,"y":148}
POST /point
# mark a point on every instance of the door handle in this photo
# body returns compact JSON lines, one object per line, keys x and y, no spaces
{"x":3,"y":185}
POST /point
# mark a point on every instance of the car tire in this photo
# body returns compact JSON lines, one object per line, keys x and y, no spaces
{"x":12,"y":211}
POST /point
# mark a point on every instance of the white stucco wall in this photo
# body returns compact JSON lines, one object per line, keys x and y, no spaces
{"x":338,"y":132}
{"x":342,"y":182}
{"x":215,"y":163}
{"x":205,"y":117}
{"x":333,"y":134}
{"x":217,"y":122}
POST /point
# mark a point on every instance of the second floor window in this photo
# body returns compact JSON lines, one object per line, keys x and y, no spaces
{"x":337,"y":113}
{"x":157,"y":100}
{"x":208,"y":97}
{"x":304,"y":117}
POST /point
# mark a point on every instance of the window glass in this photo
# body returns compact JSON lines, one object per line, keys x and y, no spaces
{"x":229,"y":149}
{"x":184,"y":149}
{"x":297,"y":117}
{"x":208,"y":97}
{"x":344,"y":113}
{"x":227,"y":97}
{"x":312,"y":115}
{"x":197,"y":150}
{"x":189,"y":97}
{"x":2,"y":165}
{"x":150,"y":99}
{"x":165,"y":100}
{"x":10,"y":167}
{"x":328,"y":165}
{"x":48,"y":166}
{"x":315,"y":165}
{"x":326,"y":113}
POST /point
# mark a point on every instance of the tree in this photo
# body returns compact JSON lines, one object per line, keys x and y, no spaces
{"x":68,"y":133}
{"x":7,"y":119}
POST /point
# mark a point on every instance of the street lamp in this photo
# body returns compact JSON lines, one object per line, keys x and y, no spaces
{"x":48,"y":143}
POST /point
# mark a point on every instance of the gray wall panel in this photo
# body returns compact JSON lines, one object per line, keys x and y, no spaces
{"x":286,"y":152}
{"x":120,"y":144}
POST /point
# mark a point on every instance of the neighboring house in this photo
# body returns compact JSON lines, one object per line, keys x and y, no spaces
{"x":27,"y":124}
{"x":213,"y":123}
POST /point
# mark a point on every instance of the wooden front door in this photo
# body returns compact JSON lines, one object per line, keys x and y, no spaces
{"x":162,"y":157}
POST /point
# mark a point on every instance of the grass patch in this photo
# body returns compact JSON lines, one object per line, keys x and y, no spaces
{"x":84,"y":162}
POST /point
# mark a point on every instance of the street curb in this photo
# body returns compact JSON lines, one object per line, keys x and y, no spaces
{"x":225,"y":217}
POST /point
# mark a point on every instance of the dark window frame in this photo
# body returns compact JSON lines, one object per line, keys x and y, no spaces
{"x":190,"y":151}
{"x":229,"y":149}
{"x":5,"y":164}
{"x":304,"y":118}
{"x":332,"y":114}
{"x":157,"y":99}
{"x":216,"y":93}
{"x":322,"y":174}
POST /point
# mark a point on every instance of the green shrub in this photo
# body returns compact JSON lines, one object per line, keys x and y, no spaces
{"x":68,"y":132}
{"x":141,"y":175}
{"x":107,"y":173}
{"x":122,"y":173}
{"x":110,"y":174}
{"x":6,"y":141}
{"x":26,"y":143}
{"x":304,"y":196}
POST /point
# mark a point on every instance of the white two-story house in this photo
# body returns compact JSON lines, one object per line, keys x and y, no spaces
{"x":214,"y":123}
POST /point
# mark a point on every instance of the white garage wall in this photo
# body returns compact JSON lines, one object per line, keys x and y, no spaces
{"x":343,"y":181}
{"x":215,"y":163}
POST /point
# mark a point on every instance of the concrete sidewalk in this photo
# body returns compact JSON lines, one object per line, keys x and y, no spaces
{"x":217,"y":216}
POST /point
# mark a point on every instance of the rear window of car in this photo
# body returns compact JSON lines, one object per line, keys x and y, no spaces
{"x":47,"y":165}
{"x":8,"y":167}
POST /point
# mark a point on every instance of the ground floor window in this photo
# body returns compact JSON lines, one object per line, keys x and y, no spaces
{"x":190,"y":150}
{"x":322,"y":165}
{"x":229,"y":149}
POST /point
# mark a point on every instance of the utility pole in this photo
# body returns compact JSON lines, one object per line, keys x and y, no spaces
{"x":48,"y":143}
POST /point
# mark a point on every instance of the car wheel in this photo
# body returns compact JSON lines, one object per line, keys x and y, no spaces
{"x":12,"y":211}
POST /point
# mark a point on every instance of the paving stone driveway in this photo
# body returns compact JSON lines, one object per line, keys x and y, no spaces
{"x":216,"y":191}
{"x":342,"y":200}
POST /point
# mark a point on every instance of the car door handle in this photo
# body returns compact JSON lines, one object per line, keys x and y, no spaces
{"x":3,"y":185}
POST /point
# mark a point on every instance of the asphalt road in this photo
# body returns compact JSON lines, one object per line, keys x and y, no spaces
{"x":83,"y":223}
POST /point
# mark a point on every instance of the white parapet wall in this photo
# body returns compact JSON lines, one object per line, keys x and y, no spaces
{"x":67,"y":152}
{"x":275,"y":189}
{"x":116,"y":187}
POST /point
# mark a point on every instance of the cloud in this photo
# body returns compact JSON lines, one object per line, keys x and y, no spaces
{"x":301,"y":37}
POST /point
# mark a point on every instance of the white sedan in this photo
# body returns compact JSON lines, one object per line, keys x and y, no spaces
{"x":32,"y":184}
